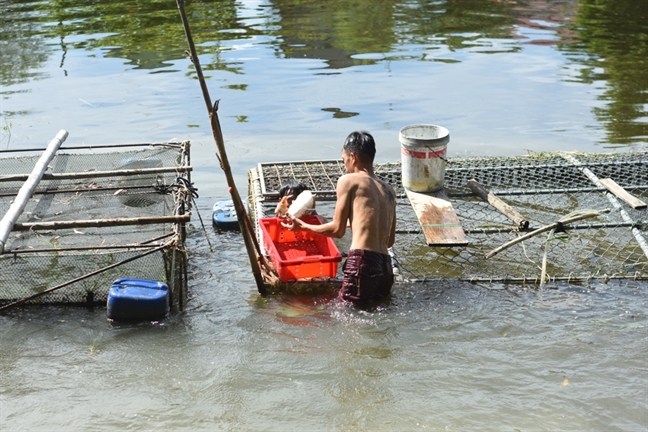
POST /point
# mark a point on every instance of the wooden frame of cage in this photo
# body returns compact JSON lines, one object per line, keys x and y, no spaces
{"x":170,"y":245}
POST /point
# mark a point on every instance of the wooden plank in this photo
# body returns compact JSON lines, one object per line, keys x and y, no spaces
{"x":440,"y":223}
{"x":622,"y":194}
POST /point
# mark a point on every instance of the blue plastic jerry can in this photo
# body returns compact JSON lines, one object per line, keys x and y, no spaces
{"x":138,"y":300}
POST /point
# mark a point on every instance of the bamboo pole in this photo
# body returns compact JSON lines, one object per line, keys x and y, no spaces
{"x":97,"y":223}
{"x":100,"y":146}
{"x":93,"y":174}
{"x":545,"y":228}
{"x":244,"y":221}
{"x":643,"y":244}
{"x":141,"y":245}
{"x":150,"y":188}
{"x":508,"y":211}
{"x":27,"y":189}
{"x":16,"y":251}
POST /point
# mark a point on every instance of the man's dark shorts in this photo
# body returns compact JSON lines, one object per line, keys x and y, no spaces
{"x":368,"y":278}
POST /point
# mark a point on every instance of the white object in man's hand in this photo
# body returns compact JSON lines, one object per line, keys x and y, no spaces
{"x":304,"y":202}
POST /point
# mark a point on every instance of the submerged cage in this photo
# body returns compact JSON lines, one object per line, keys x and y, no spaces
{"x":542,"y":187}
{"x":99,"y":213}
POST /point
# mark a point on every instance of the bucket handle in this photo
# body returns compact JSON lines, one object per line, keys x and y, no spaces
{"x":438,"y":155}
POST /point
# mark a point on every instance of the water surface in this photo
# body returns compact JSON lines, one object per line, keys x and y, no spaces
{"x":294,"y":78}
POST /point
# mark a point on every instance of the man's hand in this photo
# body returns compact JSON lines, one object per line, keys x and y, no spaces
{"x":288,"y":223}
{"x":292,"y":223}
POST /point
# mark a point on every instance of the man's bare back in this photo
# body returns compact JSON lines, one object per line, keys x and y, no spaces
{"x":372,"y":210}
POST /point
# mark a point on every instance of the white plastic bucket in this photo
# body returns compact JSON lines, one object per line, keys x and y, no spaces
{"x":423,"y":154}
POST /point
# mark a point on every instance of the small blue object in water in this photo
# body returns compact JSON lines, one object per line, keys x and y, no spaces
{"x":138,"y":300}
{"x":224,"y":216}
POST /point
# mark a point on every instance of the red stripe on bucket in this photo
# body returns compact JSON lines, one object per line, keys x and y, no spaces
{"x":423,"y":155}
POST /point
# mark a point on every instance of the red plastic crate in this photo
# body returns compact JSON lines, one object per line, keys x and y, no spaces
{"x":299,"y":254}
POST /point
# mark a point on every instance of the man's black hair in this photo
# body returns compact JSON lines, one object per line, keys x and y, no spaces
{"x":362,"y":144}
{"x":292,"y":187}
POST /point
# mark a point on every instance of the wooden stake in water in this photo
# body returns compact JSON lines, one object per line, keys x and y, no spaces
{"x":257,"y":260}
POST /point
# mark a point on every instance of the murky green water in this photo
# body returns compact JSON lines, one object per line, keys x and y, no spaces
{"x":294,"y":78}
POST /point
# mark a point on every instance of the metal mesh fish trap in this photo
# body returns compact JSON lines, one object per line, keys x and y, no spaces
{"x":542,"y":187}
{"x":98,"y":214}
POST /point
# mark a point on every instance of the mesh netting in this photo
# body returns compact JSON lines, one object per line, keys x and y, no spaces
{"x":115,"y":213}
{"x":47,"y":270}
{"x":542,"y":187}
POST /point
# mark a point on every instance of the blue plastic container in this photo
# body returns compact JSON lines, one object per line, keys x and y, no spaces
{"x":224,"y":216}
{"x":138,"y":300}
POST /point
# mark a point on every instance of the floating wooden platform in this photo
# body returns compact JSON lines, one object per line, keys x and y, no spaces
{"x":543,"y":187}
{"x":438,"y":218}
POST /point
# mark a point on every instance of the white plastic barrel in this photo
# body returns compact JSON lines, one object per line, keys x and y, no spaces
{"x":423,"y":154}
{"x":305,"y":201}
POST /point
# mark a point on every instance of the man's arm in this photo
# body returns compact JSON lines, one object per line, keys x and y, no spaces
{"x":337,"y":227}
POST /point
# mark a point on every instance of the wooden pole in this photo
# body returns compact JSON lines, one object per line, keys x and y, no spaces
{"x":151,"y":187}
{"x":94,"y":147}
{"x":94,"y":174}
{"x":27,"y":189}
{"x":553,"y":226}
{"x":212,"y":110}
{"x":142,"y":245}
{"x":500,"y":205}
{"x":98,"y":223}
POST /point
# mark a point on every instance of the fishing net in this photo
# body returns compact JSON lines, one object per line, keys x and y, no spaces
{"x":542,"y":187}
{"x":98,"y":214}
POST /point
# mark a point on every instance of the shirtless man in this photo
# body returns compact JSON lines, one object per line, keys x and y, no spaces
{"x":369,"y":205}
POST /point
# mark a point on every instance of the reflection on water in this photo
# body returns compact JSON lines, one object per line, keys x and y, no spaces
{"x":297,"y":310}
{"x":338,"y":113}
{"x":615,"y":40}
{"x":606,"y":41}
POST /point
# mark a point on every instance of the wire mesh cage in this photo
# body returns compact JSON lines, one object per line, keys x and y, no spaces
{"x":543,"y":187}
{"x":98,"y":214}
